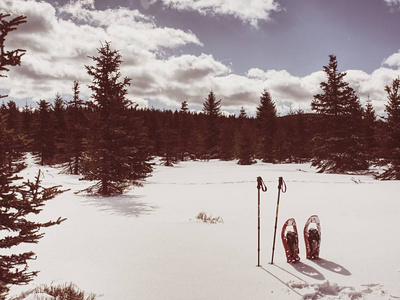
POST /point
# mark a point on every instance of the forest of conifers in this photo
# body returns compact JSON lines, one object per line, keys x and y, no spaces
{"x":57,"y":132}
{"x":110,"y":139}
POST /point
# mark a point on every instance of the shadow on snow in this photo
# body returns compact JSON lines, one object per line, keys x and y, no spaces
{"x":331,"y":266}
{"x":308,"y":270}
{"x":123,"y":205}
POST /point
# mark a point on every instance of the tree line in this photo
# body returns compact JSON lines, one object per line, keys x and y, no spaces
{"x":339,"y":136}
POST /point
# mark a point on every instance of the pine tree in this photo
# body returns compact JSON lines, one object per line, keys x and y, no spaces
{"x":185,"y":130}
{"x":13,"y":119}
{"x":212,"y":109}
{"x":339,"y":145}
{"x":392,"y":146}
{"x":227,"y":138}
{"x":184,"y":107}
{"x":13,"y":142}
{"x":9,"y":57}
{"x":60,"y":127}
{"x":115,"y":157}
{"x":242,"y":113}
{"x":301,"y":150}
{"x":245,"y":140}
{"x":266,"y":120}
{"x":45,"y":135}
{"x":369,"y":124}
{"x":76,"y":131}
{"x":17,"y":201}
{"x":170,"y":140}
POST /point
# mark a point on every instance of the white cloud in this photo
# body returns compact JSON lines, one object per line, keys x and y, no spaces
{"x":371,"y":86}
{"x":178,"y":78}
{"x":59,"y":41}
{"x":393,"y":60}
{"x":250,"y":11}
{"x":392,"y":2}
{"x":286,"y":89}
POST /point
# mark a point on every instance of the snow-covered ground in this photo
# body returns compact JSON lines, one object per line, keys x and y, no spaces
{"x":148,"y":244}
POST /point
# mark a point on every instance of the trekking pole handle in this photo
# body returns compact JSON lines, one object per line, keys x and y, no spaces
{"x":282,"y":185}
{"x":261,"y":184}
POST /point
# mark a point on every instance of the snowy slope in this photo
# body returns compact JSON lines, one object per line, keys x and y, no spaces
{"x":147,"y":244}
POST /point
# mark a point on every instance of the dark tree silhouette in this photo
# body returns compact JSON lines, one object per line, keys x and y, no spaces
{"x":185,"y":131}
{"x":76,"y":131}
{"x":245,"y":140}
{"x":227,"y":138}
{"x":242,"y":113}
{"x":369,"y":124}
{"x":266,"y":120}
{"x":392,"y":145}
{"x":115,"y":156}
{"x":169,"y":140}
{"x":60,"y":127}
{"x":339,"y":145}
{"x":17,"y":201}
{"x":45,"y":134}
{"x":9,"y":57}
{"x":212,"y":109}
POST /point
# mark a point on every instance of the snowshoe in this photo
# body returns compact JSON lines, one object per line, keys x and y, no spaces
{"x":312,"y":237}
{"x":290,"y":241}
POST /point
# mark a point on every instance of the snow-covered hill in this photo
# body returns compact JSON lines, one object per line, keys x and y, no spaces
{"x":148,"y":244}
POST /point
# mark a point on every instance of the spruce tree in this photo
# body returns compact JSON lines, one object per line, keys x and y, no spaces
{"x":27,"y":117}
{"x":339,"y":144}
{"x":227,"y":138}
{"x":242,"y":113}
{"x":76,"y":131}
{"x":266,"y":120}
{"x":115,"y":157}
{"x":13,"y":119}
{"x":212,"y":109}
{"x":45,"y":134}
{"x":184,"y":107}
{"x":169,"y":139}
{"x":301,"y":149}
{"x":369,"y":124}
{"x":185,"y":131}
{"x":60,"y":127}
{"x":9,"y":57}
{"x":244,"y":139}
{"x":392,"y":144}
{"x":18,"y":201}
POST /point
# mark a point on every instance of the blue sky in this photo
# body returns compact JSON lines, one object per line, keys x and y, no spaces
{"x":298,"y":38}
{"x":176,"y":50}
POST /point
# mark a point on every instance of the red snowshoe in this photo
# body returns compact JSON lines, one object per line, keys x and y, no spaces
{"x":312,"y":237}
{"x":290,"y":241}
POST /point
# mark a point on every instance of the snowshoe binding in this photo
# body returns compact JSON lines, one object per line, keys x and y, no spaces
{"x":290,"y":241}
{"x":312,"y":237}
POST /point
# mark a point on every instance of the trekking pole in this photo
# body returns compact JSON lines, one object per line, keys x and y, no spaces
{"x":260,"y":185}
{"x":281,"y":187}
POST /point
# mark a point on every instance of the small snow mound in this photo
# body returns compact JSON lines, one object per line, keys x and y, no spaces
{"x":327,"y":290}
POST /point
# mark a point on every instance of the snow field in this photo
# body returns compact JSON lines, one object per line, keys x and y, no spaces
{"x":147,"y":244}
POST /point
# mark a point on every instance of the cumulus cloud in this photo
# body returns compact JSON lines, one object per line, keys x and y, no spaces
{"x":392,"y":2}
{"x":59,"y":40}
{"x":371,"y":86}
{"x":250,"y":11}
{"x":393,"y":60}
